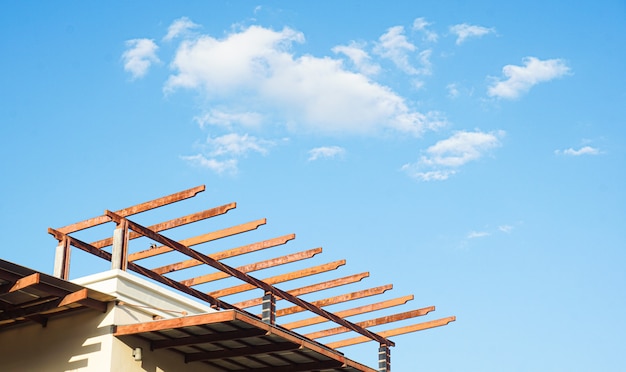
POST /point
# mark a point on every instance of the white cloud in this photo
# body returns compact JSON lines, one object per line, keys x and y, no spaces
{"x":139,"y":56}
{"x":586,"y":150}
{"x":477,"y":234}
{"x":505,"y":228}
{"x":359,"y":57}
{"x":327,"y":152}
{"x":453,"y":90}
{"x":233,"y":144}
{"x":307,"y":93}
{"x":179,"y":27}
{"x":519,"y":79}
{"x":394,"y":45}
{"x":217,"y":166}
{"x":464,"y":31}
{"x":228,"y":119}
{"x":420,"y":24}
{"x":444,"y":157}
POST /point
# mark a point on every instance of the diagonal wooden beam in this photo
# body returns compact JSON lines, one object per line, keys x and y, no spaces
{"x":268,"y":288}
{"x":133,"y":210}
{"x":283,"y":260}
{"x":281,"y":278}
{"x":350,"y":312}
{"x":309,"y":289}
{"x":372,"y":322}
{"x":27,"y":281}
{"x":215,"y":235}
{"x":394,"y":332}
{"x":176,"y":222}
{"x":337,"y":299}
{"x":270,"y":243}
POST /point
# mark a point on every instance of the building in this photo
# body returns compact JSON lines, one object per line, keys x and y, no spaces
{"x":117,"y":320}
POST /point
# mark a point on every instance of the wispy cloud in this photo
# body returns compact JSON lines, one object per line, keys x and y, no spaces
{"x":226,"y":119}
{"x":233,"y":144}
{"x":586,"y":150}
{"x":395,"y":46}
{"x":420,"y":24}
{"x":359,"y":57}
{"x":505,"y":228}
{"x":465,"y":31}
{"x":327,"y":152}
{"x":218,"y":166}
{"x":477,"y":234}
{"x":444,"y":158}
{"x":179,"y":27}
{"x":519,"y":79}
{"x":139,"y":56}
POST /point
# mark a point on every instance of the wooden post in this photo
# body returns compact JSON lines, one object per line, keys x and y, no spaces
{"x":119,"y":259}
{"x":62,"y":259}
{"x":268,"y":312}
{"x":384,"y":358}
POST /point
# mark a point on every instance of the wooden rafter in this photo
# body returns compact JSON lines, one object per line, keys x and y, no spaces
{"x":310,"y":289}
{"x":255,"y":266}
{"x":372,"y":322}
{"x":215,"y":235}
{"x":281,"y":278}
{"x":133,"y":210}
{"x":176,"y":222}
{"x":270,"y":243}
{"x":395,"y":332}
{"x":337,"y":299}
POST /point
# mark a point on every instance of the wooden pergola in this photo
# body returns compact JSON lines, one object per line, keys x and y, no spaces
{"x":251,"y":353}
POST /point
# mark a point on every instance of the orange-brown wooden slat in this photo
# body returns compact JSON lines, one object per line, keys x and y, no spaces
{"x":350,"y":312}
{"x":280,"y":278}
{"x":309,"y":289}
{"x":270,"y":243}
{"x":254,"y":266}
{"x":394,"y":332}
{"x":337,"y":299}
{"x":372,"y":322}
{"x":215,"y":235}
{"x":176,"y":222}
{"x":189,"y":193}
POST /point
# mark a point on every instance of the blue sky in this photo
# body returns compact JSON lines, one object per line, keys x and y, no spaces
{"x":472,"y":154}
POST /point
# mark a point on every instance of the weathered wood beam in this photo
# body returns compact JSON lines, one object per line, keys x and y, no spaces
{"x":394,"y":332}
{"x":174,"y":245}
{"x":280,"y":278}
{"x":372,"y":322}
{"x":270,"y":243}
{"x":176,"y":222}
{"x":351,"y":312}
{"x":310,"y":289}
{"x":215,"y":235}
{"x":337,"y":299}
{"x":283,"y":260}
{"x":133,"y":210}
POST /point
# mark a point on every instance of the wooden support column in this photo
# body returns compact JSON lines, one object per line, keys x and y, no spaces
{"x":119,"y":259}
{"x":384,"y":358}
{"x":268,"y":312}
{"x":62,"y":259}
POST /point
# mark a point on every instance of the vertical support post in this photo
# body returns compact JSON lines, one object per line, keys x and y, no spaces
{"x":384,"y":358}
{"x":119,"y":252}
{"x":62,"y":259}
{"x":268,"y":312}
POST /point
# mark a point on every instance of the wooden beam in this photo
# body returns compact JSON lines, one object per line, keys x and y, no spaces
{"x":176,"y":222}
{"x":246,"y":278}
{"x":309,"y":289}
{"x":230,"y":231}
{"x":174,"y":323}
{"x":372,"y":322}
{"x":227,"y":254}
{"x":394,"y":332}
{"x":208,"y":338}
{"x":280,"y":278}
{"x":351,"y":312}
{"x":338,"y":299}
{"x":255,"y":266}
{"x":133,"y":210}
{"x":241,"y":352}
{"x":25,"y":282}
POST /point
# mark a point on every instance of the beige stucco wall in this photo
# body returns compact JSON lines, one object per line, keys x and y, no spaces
{"x":83,"y":341}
